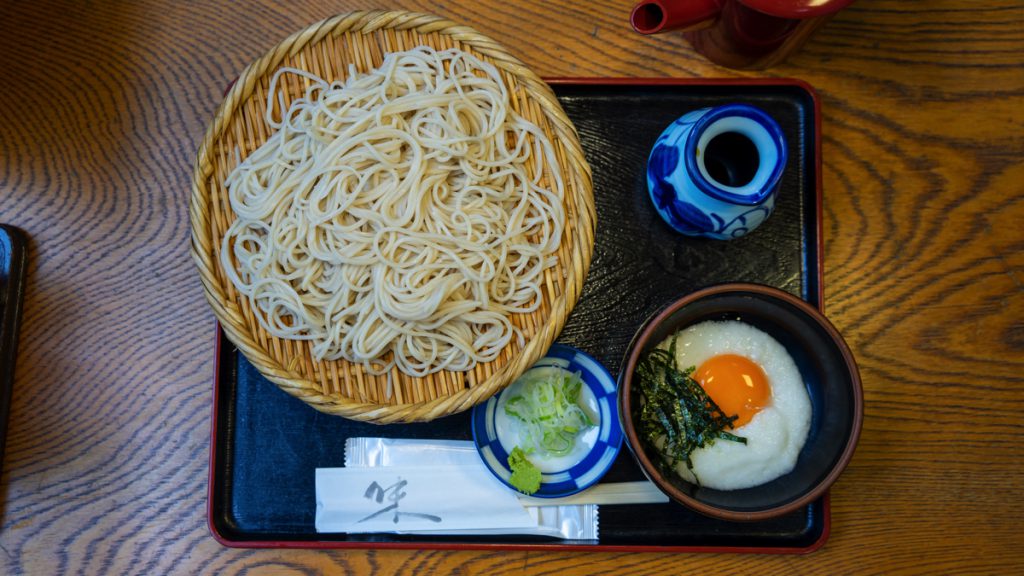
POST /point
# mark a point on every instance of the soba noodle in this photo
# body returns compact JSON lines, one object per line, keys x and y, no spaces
{"x":398,"y":218}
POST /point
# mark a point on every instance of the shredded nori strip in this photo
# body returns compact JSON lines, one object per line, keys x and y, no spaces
{"x":676,"y":408}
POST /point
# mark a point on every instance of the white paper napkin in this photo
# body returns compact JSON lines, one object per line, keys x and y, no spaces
{"x":579,"y":522}
{"x":415,"y":498}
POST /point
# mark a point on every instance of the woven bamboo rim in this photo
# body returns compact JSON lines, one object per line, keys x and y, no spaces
{"x":340,"y":387}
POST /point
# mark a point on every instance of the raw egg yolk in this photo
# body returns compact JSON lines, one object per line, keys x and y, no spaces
{"x":737,"y":384}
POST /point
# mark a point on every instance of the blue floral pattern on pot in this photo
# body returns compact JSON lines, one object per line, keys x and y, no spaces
{"x":727,"y":192}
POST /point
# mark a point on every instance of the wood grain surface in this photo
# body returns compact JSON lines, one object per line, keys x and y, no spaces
{"x":103,"y":105}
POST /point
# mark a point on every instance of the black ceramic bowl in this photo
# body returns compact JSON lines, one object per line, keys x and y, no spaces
{"x":828,"y":371}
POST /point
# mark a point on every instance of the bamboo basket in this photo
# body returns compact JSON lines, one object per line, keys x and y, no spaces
{"x":340,"y":387}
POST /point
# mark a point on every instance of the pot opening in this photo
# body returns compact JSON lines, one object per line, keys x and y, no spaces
{"x":731,"y":159}
{"x":648,"y":18}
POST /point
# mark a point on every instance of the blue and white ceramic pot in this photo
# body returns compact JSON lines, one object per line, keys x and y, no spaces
{"x":715,"y":171}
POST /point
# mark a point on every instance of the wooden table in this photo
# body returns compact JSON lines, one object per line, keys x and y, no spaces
{"x":103,"y":105}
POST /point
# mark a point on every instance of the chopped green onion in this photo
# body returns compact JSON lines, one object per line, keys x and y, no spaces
{"x":548,"y":406}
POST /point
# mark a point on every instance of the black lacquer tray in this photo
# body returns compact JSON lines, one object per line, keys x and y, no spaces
{"x":266,"y":444}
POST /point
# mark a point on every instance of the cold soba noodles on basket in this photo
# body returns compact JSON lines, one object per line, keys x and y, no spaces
{"x":398,"y":225}
{"x":393,"y":212}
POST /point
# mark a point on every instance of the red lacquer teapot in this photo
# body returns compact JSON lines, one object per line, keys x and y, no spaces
{"x":738,"y":33}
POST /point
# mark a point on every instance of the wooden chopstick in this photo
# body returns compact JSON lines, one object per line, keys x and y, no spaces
{"x":642,"y":492}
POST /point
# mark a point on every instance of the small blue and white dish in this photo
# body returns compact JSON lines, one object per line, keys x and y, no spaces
{"x":715,"y":171}
{"x":495,"y":432}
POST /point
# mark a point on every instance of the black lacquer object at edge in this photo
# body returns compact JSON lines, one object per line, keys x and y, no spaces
{"x":13,"y":263}
{"x":266,"y":444}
